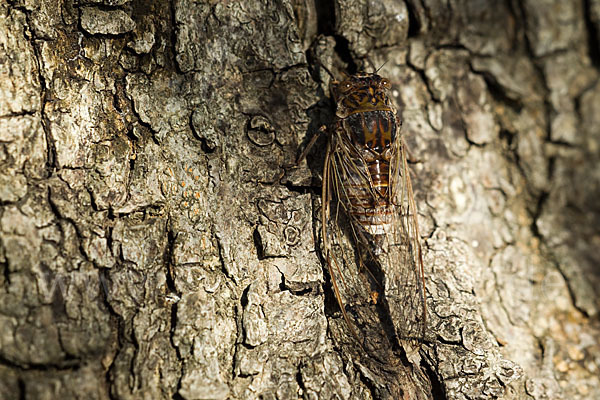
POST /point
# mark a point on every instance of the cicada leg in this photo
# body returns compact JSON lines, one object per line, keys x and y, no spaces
{"x":302,"y":156}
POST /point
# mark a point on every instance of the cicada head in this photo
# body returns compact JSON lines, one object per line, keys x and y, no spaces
{"x":361,"y":92}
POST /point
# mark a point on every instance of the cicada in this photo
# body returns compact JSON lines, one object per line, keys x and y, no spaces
{"x":367,"y":196}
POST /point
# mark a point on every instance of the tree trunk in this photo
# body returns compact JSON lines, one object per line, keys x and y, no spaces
{"x":149,"y":247}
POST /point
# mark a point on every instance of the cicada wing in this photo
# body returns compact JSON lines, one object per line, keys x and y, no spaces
{"x":402,"y":257}
{"x":337,"y":251}
{"x":393,"y":261}
{"x":343,"y":244}
{"x":364,"y":271}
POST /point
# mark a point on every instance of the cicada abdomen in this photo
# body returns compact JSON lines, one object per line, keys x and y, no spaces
{"x":366,"y":178}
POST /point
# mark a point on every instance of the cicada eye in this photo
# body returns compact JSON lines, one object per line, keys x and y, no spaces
{"x":345,"y":87}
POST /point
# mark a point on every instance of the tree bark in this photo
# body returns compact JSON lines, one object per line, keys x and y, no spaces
{"x":148,"y":248}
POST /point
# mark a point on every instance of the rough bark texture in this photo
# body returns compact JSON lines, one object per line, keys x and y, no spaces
{"x":147,"y":249}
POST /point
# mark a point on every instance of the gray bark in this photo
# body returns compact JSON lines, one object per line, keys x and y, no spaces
{"x":148,"y":249}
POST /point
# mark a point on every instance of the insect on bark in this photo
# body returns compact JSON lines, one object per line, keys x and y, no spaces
{"x":366,"y":183}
